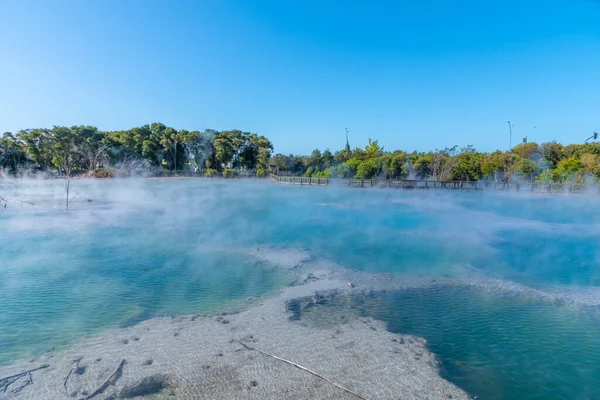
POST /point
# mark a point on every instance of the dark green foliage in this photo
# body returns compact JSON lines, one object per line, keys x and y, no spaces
{"x":527,"y":162}
{"x":156,"y":147}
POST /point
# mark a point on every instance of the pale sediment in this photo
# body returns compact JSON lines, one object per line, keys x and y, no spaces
{"x":201,"y":357}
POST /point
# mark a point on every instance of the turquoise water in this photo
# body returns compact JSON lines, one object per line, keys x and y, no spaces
{"x":144,"y":248}
{"x":497,"y":346}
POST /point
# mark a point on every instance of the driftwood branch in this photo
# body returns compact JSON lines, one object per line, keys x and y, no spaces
{"x":28,"y":382}
{"x":74,"y":367}
{"x":307,"y":370}
{"x":9,"y":380}
{"x":112,"y":379}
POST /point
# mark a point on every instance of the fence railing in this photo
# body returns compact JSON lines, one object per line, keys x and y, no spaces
{"x":425,"y":184}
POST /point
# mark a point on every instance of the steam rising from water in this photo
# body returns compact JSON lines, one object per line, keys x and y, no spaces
{"x":131,"y":249}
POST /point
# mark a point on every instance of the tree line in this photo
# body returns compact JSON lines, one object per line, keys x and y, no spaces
{"x":153,"y":148}
{"x":549,"y":162}
{"x":161,"y":150}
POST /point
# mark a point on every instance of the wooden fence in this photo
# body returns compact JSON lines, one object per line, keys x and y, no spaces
{"x":453,"y":185}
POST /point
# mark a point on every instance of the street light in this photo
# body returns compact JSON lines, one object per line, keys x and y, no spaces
{"x":594,"y":136}
{"x":510,"y":130}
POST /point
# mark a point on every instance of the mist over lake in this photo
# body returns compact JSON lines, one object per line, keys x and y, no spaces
{"x":504,"y":287}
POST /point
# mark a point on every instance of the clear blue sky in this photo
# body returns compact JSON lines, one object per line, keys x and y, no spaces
{"x":416,"y":75}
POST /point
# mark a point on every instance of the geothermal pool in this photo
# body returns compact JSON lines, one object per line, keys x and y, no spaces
{"x":508,"y":301}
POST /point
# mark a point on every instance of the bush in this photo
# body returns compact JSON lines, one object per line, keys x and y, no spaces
{"x":261,"y":171}
{"x":230,"y":173}
{"x":209,"y":172}
{"x":102,"y":173}
{"x":323,"y":174}
{"x":345,"y":171}
{"x":366,"y":169}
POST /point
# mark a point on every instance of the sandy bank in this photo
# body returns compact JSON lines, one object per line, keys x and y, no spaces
{"x":200,"y":357}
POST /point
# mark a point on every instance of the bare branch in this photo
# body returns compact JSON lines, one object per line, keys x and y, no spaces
{"x":28,"y":381}
{"x":9,"y":380}
{"x":307,"y":370}
{"x":74,"y":367}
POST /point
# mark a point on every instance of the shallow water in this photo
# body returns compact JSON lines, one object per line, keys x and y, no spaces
{"x":144,"y":248}
{"x":494,"y":346}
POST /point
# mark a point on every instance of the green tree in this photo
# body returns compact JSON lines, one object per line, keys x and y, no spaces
{"x":421,"y":164}
{"x":38,"y":145}
{"x":494,"y":165}
{"x":12,"y":152}
{"x":552,"y":153}
{"x":567,"y":169}
{"x":227,"y":145}
{"x":345,"y":170}
{"x":373,"y":149}
{"x":367,"y":169}
{"x":590,"y":164}
{"x":65,"y":150}
{"x":395,"y":165}
{"x":526,"y":150}
{"x":468,"y":165}
{"x":262,"y":166}
{"x":327,"y":158}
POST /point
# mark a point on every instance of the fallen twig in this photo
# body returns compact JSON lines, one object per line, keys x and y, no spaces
{"x":9,"y":380}
{"x":307,"y":370}
{"x":112,"y":379}
{"x":28,"y":382}
{"x":73,"y":368}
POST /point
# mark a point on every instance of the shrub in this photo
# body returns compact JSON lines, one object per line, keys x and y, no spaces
{"x":102,"y":173}
{"x":230,"y":173}
{"x":209,"y":172}
{"x":366,"y":169}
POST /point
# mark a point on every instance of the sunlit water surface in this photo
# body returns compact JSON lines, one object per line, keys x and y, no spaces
{"x":145,"y":248}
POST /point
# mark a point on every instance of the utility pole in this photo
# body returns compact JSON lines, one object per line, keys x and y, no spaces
{"x":510,"y":130}
{"x":347,"y":143}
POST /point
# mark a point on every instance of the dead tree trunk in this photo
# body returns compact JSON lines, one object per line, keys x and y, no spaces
{"x":67,"y":186}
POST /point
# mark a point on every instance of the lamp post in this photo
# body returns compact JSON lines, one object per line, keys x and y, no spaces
{"x":510,"y":131}
{"x":594,"y":136}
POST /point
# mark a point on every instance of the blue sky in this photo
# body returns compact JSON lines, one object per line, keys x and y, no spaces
{"x":416,"y":75}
